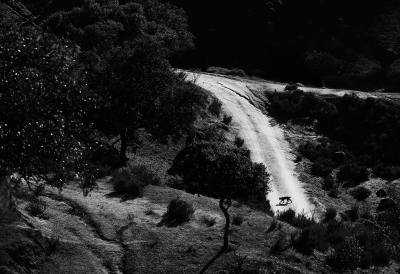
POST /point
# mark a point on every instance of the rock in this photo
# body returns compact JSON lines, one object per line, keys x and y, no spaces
{"x":339,"y":157}
{"x":385,"y":204}
{"x":381,"y":193}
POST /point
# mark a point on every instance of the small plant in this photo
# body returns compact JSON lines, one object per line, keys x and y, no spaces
{"x":209,"y":221}
{"x":353,"y":213}
{"x":149,"y":212}
{"x":328,"y":183}
{"x":300,"y":220}
{"x":280,"y":245}
{"x":360,"y":193}
{"x":347,"y":255}
{"x":36,"y":207}
{"x":39,"y":189}
{"x":330,"y":214}
{"x":237,"y":220}
{"x":227,"y":119}
{"x":333,"y":192}
{"x":304,"y":243}
{"x":54,"y":243}
{"x":273,"y":225}
{"x":215,"y":106}
{"x":179,"y":210}
{"x":175,"y":182}
{"x":239,"y":141}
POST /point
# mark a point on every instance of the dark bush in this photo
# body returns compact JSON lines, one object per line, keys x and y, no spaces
{"x":333,"y":192}
{"x":36,"y":207}
{"x":360,"y":193}
{"x":387,"y":172}
{"x":133,"y":179}
{"x":346,"y":255}
{"x":273,"y":225}
{"x":304,"y":243}
{"x":328,"y":183}
{"x":330,"y":214}
{"x":356,"y":174}
{"x":237,"y":220}
{"x":322,"y":167}
{"x":209,"y":221}
{"x":352,"y":213}
{"x":227,"y":119}
{"x":239,"y":141}
{"x":300,"y":220}
{"x":179,"y":211}
{"x":215,"y":106}
{"x":175,"y":182}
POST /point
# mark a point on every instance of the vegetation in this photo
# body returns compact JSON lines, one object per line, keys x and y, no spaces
{"x":222,"y":171}
{"x":179,"y":211}
{"x":364,"y":131}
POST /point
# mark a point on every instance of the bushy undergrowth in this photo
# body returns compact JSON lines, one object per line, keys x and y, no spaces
{"x":215,"y":106}
{"x":237,"y":220}
{"x":300,"y":220}
{"x":36,"y":207}
{"x":225,"y":71}
{"x":366,"y":131}
{"x":360,"y":193}
{"x":132,"y":180}
{"x":179,"y":211}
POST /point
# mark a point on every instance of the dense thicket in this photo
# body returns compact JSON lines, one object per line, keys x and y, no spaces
{"x":366,"y":130}
{"x":124,"y":50}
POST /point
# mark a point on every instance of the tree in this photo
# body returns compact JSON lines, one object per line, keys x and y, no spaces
{"x":43,"y":106}
{"x":125,"y":49}
{"x":223,"y":172}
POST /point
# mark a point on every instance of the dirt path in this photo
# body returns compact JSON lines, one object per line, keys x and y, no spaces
{"x":265,"y":140}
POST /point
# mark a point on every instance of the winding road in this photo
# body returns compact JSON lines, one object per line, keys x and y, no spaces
{"x":264,"y":139}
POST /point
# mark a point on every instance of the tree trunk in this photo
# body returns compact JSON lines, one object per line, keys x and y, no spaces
{"x":226,"y":233}
{"x":124,"y":145}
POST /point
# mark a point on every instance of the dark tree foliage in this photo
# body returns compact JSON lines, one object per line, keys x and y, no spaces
{"x":366,"y":130}
{"x":223,"y":172}
{"x":125,"y":49}
{"x":44,"y":103}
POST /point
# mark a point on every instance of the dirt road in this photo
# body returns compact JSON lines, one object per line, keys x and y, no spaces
{"x":264,"y":139}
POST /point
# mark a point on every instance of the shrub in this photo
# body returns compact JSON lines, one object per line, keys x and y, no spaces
{"x":179,"y":210}
{"x":360,"y":193}
{"x":334,"y":192}
{"x":353,"y":172}
{"x":273,"y":225}
{"x":328,"y":183}
{"x":347,"y":255}
{"x":36,"y":207}
{"x":54,"y":243}
{"x":175,"y":182}
{"x":237,"y":220}
{"x":330,"y":214}
{"x":352,"y":213}
{"x":133,"y":179}
{"x":209,"y":221}
{"x":300,"y":220}
{"x":215,"y":106}
{"x":321,"y":169}
{"x":304,"y":243}
{"x":239,"y":141}
{"x":227,"y":119}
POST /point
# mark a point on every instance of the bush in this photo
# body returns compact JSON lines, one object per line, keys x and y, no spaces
{"x":175,"y":182}
{"x":273,"y":225}
{"x":353,"y":172}
{"x":330,"y":214}
{"x":352,"y":213}
{"x":133,"y":179}
{"x":304,"y":243}
{"x":333,"y":192}
{"x":237,"y":220}
{"x":179,"y":211}
{"x":328,"y":183}
{"x":319,"y":168}
{"x":209,"y":221}
{"x":347,"y":255}
{"x":215,"y":106}
{"x":36,"y":207}
{"x":227,"y":119}
{"x":360,"y":193}
{"x":300,"y":220}
{"x":239,"y":141}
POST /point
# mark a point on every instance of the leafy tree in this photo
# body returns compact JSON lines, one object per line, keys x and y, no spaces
{"x":223,"y":172}
{"x":43,"y":106}
{"x":125,"y":49}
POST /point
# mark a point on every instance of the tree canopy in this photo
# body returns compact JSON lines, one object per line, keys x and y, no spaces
{"x":125,"y":49}
{"x":44,"y":102}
